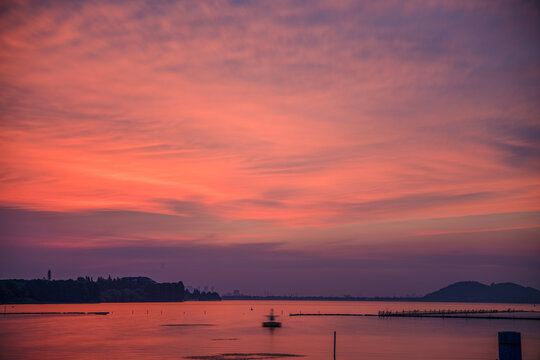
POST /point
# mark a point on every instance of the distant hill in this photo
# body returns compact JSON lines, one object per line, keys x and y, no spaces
{"x":472,"y":291}
{"x":86,"y":290}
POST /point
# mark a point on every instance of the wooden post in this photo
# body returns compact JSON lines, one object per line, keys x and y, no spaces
{"x":334,"y":345}
{"x":509,"y":345}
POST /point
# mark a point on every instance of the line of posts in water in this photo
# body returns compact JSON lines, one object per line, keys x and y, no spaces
{"x":383,"y":313}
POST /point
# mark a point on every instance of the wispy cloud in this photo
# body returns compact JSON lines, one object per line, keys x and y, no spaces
{"x":236,"y":121}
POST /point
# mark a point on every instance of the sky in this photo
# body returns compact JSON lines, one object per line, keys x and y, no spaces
{"x":369,"y":148}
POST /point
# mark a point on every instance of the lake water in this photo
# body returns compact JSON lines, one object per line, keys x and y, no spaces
{"x":135,"y":331}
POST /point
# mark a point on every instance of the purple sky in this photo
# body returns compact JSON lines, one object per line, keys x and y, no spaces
{"x":275,"y":147}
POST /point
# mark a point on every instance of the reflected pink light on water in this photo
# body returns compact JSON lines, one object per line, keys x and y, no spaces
{"x":135,"y":331}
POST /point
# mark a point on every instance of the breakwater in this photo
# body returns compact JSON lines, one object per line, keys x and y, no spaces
{"x":57,"y":313}
{"x":468,"y":314}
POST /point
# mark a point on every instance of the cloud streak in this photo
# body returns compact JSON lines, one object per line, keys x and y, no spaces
{"x":232,"y":122}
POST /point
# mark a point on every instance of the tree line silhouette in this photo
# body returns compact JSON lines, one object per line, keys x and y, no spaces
{"x":86,"y":290}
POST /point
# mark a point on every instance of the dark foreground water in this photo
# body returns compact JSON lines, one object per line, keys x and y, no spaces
{"x":136,"y":331}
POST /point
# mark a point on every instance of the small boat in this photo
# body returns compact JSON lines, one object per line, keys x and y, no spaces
{"x":271,"y":323}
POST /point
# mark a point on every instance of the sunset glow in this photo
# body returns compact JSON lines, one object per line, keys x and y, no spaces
{"x":272,"y":146}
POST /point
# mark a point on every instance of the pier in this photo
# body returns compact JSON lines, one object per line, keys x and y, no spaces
{"x":319,"y":314}
{"x":58,"y":313}
{"x":445,"y":312}
{"x":466,"y":314}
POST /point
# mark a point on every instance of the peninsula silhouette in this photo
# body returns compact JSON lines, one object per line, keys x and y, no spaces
{"x":86,"y":290}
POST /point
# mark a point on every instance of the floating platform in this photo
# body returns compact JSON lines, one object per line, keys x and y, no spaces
{"x":271,"y":323}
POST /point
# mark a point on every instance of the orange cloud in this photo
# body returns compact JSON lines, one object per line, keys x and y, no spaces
{"x":276,"y":119}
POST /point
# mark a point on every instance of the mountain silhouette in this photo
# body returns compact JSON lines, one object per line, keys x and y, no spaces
{"x":472,"y":291}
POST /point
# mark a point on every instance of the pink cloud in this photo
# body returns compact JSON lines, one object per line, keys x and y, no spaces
{"x":271,"y":121}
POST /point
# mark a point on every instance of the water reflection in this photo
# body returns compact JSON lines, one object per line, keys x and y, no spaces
{"x":178,"y":330}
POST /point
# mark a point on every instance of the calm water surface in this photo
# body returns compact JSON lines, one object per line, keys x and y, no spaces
{"x":135,"y":331}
